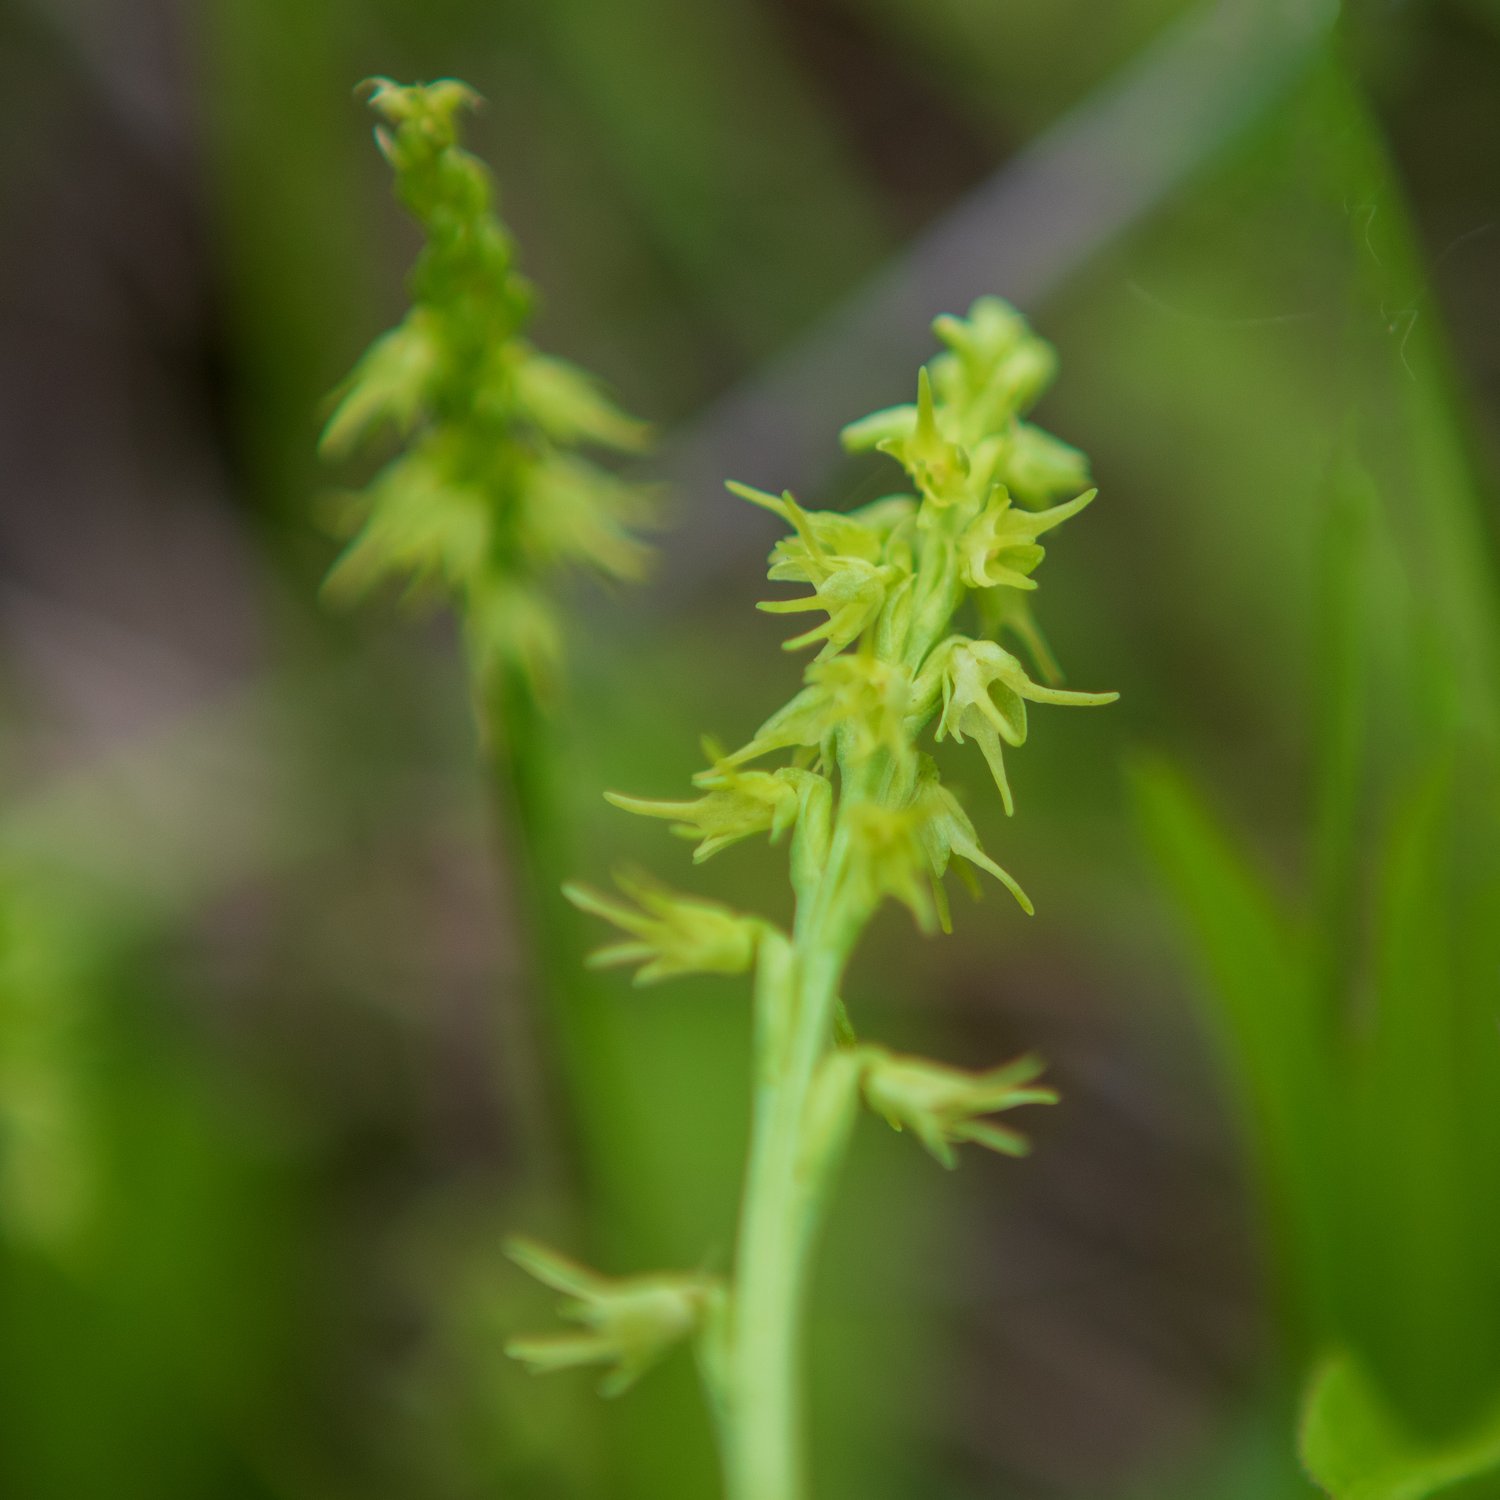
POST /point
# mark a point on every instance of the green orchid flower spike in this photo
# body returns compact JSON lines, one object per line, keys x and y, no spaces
{"x":914,"y":590}
{"x":490,"y":497}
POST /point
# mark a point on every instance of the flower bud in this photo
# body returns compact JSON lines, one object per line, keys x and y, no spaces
{"x":433,"y":105}
{"x":996,"y":366}
{"x":1037,"y":468}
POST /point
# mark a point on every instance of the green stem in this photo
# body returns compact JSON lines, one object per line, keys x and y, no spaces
{"x":542,"y":1015}
{"x":785,"y":1192}
{"x":541,"y":1044}
{"x":560,"y":1067}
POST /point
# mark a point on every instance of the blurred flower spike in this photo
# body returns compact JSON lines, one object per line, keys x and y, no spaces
{"x":489,"y":499}
{"x":943,"y":1107}
{"x":629,"y":1323}
{"x":670,"y":934}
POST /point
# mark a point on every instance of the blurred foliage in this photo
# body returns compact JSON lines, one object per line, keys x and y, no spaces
{"x":256,"y":1166}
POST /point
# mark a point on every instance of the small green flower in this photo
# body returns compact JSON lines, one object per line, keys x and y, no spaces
{"x":843,"y":557}
{"x":985,"y":690}
{"x":392,"y":382}
{"x":572,"y":511}
{"x":421,"y":519}
{"x":887,"y":857}
{"x":947,"y":834}
{"x":994,"y":370}
{"x":850,"y":591}
{"x":670,"y":934}
{"x":737,"y":805}
{"x":904,"y":852}
{"x":630,"y":1323}
{"x":941,"y":469}
{"x":943,"y":1106}
{"x":999,"y":547}
{"x":855,"y":698}
{"x":865,"y":533}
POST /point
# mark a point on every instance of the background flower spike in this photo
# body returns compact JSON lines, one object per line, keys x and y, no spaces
{"x":492,"y":495}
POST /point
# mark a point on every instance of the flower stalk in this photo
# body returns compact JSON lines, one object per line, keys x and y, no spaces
{"x":870,"y":820}
{"x":489,"y":499}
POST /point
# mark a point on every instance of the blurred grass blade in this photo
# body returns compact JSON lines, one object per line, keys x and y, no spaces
{"x":1341,"y":695}
{"x":1265,"y":1010}
{"x":1420,"y":444}
{"x":1431,"y":1344}
{"x":1354,"y":1447}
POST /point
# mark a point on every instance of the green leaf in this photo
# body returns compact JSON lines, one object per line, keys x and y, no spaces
{"x":1341,"y":643}
{"x":1356,"y":1449}
{"x":1261,"y":997}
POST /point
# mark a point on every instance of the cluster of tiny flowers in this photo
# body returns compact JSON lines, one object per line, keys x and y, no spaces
{"x":890,"y":580}
{"x":912,"y":591}
{"x":489,"y":494}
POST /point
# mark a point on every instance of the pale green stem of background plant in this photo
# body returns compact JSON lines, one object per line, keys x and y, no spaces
{"x":488,"y":501}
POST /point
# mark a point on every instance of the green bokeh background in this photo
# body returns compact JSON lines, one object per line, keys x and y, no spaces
{"x":268,"y":1024}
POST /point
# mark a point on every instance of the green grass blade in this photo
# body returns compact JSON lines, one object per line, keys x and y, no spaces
{"x":1263,"y":1006}
{"x":1356,"y":1448}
